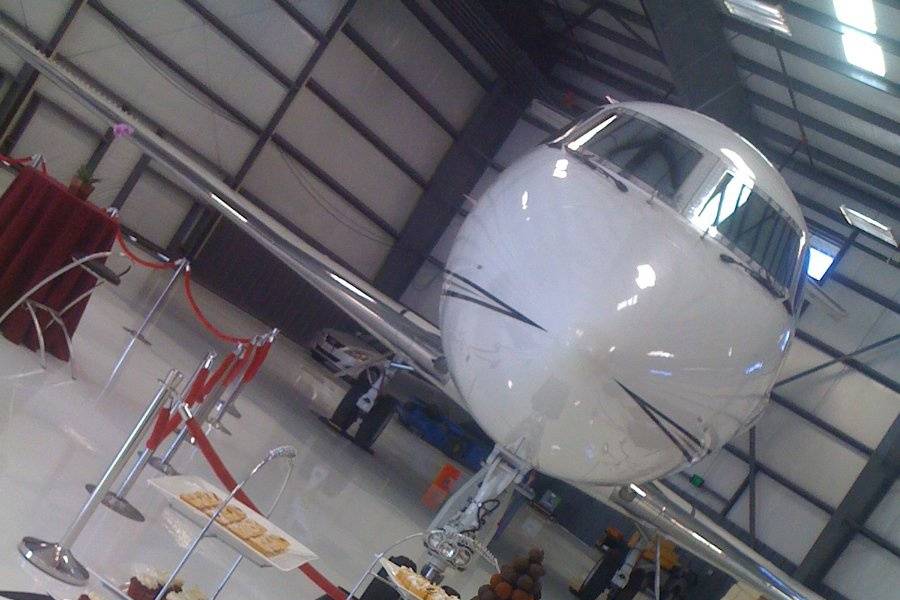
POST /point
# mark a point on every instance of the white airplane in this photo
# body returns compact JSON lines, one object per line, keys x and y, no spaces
{"x":615,"y":308}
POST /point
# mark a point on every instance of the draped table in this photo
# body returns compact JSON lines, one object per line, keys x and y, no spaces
{"x":41,"y":226}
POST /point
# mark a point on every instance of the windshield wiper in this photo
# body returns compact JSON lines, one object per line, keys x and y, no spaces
{"x":760,"y":278}
{"x":588,"y":160}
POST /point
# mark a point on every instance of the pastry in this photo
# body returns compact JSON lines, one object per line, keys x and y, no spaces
{"x":246,"y":529}
{"x":230,"y":514}
{"x":201,"y":499}
{"x":268,"y":544}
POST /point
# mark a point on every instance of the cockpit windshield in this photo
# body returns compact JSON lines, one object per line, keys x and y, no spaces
{"x":640,"y":150}
{"x":748,"y":222}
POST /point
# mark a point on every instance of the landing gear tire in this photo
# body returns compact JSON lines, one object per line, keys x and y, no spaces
{"x":374,"y":423}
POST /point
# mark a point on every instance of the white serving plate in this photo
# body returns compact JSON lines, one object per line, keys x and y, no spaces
{"x":392,"y":570}
{"x":173,"y":486}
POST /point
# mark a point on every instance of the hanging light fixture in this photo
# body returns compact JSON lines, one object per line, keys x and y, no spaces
{"x":769,"y":16}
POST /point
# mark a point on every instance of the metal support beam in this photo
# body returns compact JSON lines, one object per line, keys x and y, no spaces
{"x":863,"y":368}
{"x":822,"y":127}
{"x":751,"y":508}
{"x":131,"y":34}
{"x":700,"y":59}
{"x":454,"y":177}
{"x":821,"y":424}
{"x":101,"y":149}
{"x":811,"y":15}
{"x":819,"y":95}
{"x":133,"y":177}
{"x":25,"y":116}
{"x":870,"y":487}
{"x":841,"y":67}
{"x":447,"y":42}
{"x":372,"y":54}
{"x":23,"y":85}
{"x":242,"y":44}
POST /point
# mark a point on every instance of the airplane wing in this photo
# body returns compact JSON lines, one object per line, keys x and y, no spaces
{"x":394,"y":325}
{"x":402,"y":331}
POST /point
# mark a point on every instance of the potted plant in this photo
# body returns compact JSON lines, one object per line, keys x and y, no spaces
{"x":82,"y":183}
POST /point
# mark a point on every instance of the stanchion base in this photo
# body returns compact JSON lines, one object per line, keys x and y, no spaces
{"x":219,"y":427}
{"x":119,"y":505}
{"x":231,"y":410}
{"x":164,"y":468}
{"x":140,"y":338}
{"x":54,"y":560}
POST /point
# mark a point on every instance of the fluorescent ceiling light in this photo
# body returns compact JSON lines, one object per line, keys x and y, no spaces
{"x":856,"y":13}
{"x":224,"y":205}
{"x":819,"y":262}
{"x":759,"y":13}
{"x":864,"y":52}
{"x":870,"y":226}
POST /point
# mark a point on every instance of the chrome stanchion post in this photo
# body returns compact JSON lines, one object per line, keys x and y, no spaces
{"x":163,"y":464}
{"x":181,"y":265}
{"x":288,"y":452}
{"x":56,"y":558}
{"x":116,"y":500}
{"x":227,"y":402}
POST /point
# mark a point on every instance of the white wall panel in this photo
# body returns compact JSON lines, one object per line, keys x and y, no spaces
{"x":406,"y":44}
{"x":268,"y":29}
{"x":335,"y":146}
{"x":93,"y":46}
{"x":443,"y":246}
{"x":360,"y":86}
{"x":41,"y":17}
{"x":803,"y":453}
{"x":320,"y":12}
{"x":858,"y":406}
{"x":155,"y":209}
{"x":885,"y":519}
{"x":113,"y":170}
{"x":52,"y":92}
{"x":287,"y":188}
{"x":722,"y":471}
{"x":64,"y":147}
{"x":785,"y":521}
{"x":459,"y":39}
{"x":870,"y":272}
{"x":863,"y":321}
{"x":865,"y":572}
{"x":202,"y":51}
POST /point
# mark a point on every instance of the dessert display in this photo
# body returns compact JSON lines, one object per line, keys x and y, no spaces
{"x":518,"y":580}
{"x":420,"y":587}
{"x":147,"y":585}
{"x":236,"y":521}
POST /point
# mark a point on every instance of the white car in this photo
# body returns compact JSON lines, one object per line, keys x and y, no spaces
{"x":343,"y":352}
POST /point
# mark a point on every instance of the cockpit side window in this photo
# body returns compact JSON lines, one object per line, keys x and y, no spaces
{"x":748,"y":222}
{"x":640,"y":150}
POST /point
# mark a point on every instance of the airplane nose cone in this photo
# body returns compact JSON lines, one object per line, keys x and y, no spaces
{"x":598,"y":332}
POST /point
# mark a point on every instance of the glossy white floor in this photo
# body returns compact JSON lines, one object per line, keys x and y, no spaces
{"x":55,"y":436}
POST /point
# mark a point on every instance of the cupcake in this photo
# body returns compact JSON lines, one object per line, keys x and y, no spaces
{"x":188,"y":594}
{"x":147,"y":585}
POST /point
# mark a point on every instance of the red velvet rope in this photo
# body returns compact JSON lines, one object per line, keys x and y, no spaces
{"x":203,"y":320}
{"x":229,"y":482}
{"x":214,"y":379}
{"x":137,"y":259}
{"x":259,"y":357}
{"x":159,"y":429}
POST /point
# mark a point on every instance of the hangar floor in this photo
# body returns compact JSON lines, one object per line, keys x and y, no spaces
{"x":346,"y":505}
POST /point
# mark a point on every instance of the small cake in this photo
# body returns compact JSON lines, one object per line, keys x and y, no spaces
{"x":268,"y":544}
{"x":147,"y":585}
{"x":201,"y":499}
{"x":246,"y":529}
{"x":230,"y":514}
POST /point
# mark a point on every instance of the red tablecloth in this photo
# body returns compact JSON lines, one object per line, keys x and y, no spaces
{"x":41,"y":226}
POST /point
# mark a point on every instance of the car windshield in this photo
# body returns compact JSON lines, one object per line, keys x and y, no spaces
{"x":749,"y":222}
{"x":640,"y":150}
